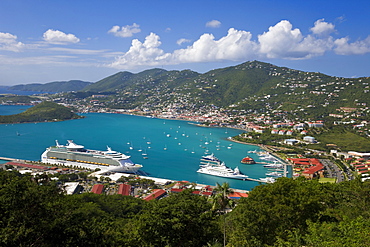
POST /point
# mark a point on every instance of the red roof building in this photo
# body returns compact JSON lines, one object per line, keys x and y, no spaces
{"x":97,"y":189}
{"x":27,"y":165}
{"x":237,"y":195}
{"x":156,"y":194}
{"x":174,"y":190}
{"x":124,"y":189}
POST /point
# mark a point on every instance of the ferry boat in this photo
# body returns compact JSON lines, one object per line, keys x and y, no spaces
{"x":221,"y":170}
{"x":76,"y":155}
{"x":248,"y":160}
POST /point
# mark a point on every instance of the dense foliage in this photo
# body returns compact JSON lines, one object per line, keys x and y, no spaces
{"x":35,"y":212}
{"x":45,"y":111}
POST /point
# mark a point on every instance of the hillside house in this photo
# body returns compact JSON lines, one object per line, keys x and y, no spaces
{"x":309,"y":139}
{"x":291,"y":141}
{"x":274,"y":131}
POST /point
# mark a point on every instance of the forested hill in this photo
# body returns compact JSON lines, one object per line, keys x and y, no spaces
{"x":45,"y":111}
{"x":142,"y":81}
{"x":53,"y":87}
{"x":251,"y":86}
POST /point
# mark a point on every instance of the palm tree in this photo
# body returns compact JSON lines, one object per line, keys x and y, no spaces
{"x":221,"y":201}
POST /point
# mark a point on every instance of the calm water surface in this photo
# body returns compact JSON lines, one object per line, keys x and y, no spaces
{"x":185,"y":143}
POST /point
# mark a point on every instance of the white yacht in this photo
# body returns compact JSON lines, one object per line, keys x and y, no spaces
{"x":211,"y":165}
{"x":268,"y":180}
{"x":274,"y":174}
{"x":76,"y":155}
{"x":274,"y":165}
{"x":211,"y":158}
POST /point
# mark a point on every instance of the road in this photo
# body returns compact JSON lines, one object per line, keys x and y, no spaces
{"x":334,"y":171}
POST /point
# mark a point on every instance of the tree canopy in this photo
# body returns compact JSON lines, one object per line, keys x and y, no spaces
{"x":34,"y":211}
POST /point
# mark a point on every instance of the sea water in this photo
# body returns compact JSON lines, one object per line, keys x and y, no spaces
{"x":173,"y":148}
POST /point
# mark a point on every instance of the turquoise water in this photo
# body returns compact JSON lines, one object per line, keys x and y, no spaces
{"x":12,"y":109}
{"x":185,"y":144}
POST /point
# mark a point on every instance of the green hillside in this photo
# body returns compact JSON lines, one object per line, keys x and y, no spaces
{"x":45,"y":111}
{"x":251,"y":86}
{"x":53,"y":87}
{"x":141,"y":81}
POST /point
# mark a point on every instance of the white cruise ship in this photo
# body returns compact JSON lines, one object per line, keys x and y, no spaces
{"x":211,"y":165}
{"x":76,"y":155}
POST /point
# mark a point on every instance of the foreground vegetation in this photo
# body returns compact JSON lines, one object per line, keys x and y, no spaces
{"x":34,"y":212}
{"x":45,"y":111}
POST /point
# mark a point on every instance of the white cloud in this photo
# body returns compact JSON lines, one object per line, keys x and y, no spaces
{"x":235,"y":46}
{"x":213,"y":23}
{"x":126,"y":31}
{"x":58,"y":37}
{"x":181,"y":41}
{"x":356,"y":48}
{"x":9,"y":42}
{"x":281,"y":41}
{"x":322,"y":28}
{"x":146,"y":53}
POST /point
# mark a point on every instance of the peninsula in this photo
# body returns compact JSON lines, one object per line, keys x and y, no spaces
{"x":44,"y":112}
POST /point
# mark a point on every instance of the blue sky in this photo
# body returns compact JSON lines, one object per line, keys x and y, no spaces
{"x":44,"y":41}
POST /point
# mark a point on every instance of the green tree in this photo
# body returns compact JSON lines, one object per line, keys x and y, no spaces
{"x":274,"y":211}
{"x":221,"y":201}
{"x":182,"y":219}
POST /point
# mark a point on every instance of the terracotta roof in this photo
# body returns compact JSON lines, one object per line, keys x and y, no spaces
{"x":237,"y":195}
{"x":97,"y":188}
{"x":124,"y":189}
{"x":26,"y":165}
{"x":157,"y":193}
{"x":173,"y":190}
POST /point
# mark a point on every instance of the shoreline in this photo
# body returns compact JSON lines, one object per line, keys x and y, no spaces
{"x":114,"y":176}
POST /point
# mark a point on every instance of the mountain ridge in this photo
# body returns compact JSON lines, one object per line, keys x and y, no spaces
{"x":52,"y":87}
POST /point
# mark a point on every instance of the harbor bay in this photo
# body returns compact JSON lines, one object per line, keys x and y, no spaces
{"x":169,"y":149}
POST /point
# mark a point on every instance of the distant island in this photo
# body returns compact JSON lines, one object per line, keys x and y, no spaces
{"x":44,"y":112}
{"x":53,"y":87}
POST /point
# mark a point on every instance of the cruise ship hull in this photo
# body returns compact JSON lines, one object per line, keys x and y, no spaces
{"x":78,"y":156}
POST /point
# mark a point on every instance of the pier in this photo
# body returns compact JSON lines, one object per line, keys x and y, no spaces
{"x":8,"y":159}
{"x":255,"y":180}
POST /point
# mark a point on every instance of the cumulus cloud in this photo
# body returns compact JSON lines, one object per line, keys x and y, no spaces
{"x":141,"y":53}
{"x":234,"y":46}
{"x":126,"y":31}
{"x":356,"y":48}
{"x":322,"y":28}
{"x":58,"y":37}
{"x":280,"y":41}
{"x":181,"y":41}
{"x":9,"y":42}
{"x":237,"y":45}
{"x":213,"y":23}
